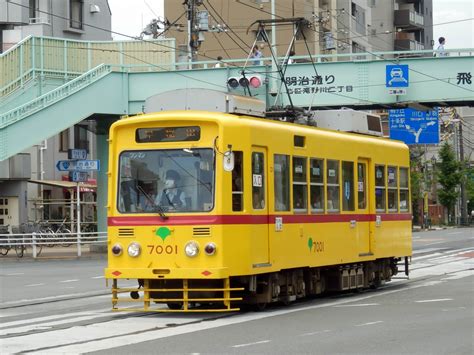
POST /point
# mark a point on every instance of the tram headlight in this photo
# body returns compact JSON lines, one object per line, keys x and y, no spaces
{"x":134,"y":249}
{"x":191,"y":249}
{"x":117,"y":249}
{"x":210,"y":248}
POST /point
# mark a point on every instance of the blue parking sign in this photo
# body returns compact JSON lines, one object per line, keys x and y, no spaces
{"x":396,"y":76}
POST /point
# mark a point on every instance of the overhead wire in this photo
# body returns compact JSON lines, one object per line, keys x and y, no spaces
{"x":226,"y":24}
{"x":387,"y":60}
{"x":228,"y":27}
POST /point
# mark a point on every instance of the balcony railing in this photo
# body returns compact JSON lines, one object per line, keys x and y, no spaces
{"x":408,"y":18}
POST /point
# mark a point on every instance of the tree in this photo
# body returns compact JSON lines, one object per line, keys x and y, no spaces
{"x":469,"y":175}
{"x":416,"y":184}
{"x":449,"y":177}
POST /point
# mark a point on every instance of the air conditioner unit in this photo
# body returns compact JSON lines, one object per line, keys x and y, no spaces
{"x":94,"y":8}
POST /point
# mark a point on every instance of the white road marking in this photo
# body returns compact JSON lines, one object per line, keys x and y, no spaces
{"x":369,"y":323}
{"x":453,"y":233}
{"x":98,"y":277}
{"x":250,"y":344}
{"x":34,"y":285}
{"x":459,"y":275}
{"x":49,"y":318}
{"x":441,"y":242}
{"x":314,"y":333}
{"x":65,"y":281}
{"x":358,"y":305}
{"x":16,"y":274}
{"x":436,"y":300}
{"x":29,"y":328}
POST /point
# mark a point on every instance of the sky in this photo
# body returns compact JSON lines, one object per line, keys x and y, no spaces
{"x":131,"y":16}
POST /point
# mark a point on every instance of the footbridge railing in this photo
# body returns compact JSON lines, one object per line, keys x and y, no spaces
{"x":54,"y":96}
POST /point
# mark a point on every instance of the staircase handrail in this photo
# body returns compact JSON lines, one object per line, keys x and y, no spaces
{"x":55,"y":95}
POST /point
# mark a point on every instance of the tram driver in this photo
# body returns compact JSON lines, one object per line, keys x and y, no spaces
{"x":172,"y":196}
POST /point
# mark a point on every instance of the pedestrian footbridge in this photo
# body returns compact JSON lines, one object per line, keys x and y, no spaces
{"x":48,"y":85}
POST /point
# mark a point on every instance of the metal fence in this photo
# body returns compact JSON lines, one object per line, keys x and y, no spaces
{"x":38,"y":240}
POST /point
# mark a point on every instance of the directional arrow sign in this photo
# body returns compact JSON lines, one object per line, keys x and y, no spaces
{"x":87,"y":165}
{"x":66,"y":165}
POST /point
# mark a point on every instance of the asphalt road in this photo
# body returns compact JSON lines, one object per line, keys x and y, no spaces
{"x":68,"y":311}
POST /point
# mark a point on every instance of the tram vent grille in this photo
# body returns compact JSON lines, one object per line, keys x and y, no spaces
{"x":201,"y":232}
{"x":126,"y":232}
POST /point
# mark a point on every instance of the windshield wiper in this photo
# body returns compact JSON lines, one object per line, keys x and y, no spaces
{"x":156,"y":207}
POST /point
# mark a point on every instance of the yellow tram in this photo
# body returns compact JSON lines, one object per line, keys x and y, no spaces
{"x":218,"y":210}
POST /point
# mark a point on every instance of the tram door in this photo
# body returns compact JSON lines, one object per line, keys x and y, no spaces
{"x":259,"y":203}
{"x":363,"y":208}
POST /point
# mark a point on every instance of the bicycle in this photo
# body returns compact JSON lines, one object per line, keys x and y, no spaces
{"x":61,"y":233}
{"x":8,"y":243}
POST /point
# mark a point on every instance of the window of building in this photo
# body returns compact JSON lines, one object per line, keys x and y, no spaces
{"x":258,"y":181}
{"x":392,"y":188}
{"x":348,"y":186}
{"x":380,"y":188}
{"x":299,"y":184}
{"x":76,"y":9}
{"x":316,"y":175}
{"x":282,"y":182}
{"x":32,"y":9}
{"x":362,"y":186}
{"x":404,"y":194}
{"x":237,"y":183}
{"x":332,"y":185}
{"x":64,"y":140}
{"x":80,"y":138}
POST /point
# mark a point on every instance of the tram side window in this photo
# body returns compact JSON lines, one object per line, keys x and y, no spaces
{"x":380,"y":187}
{"x":282,"y":182}
{"x":299,"y":184}
{"x":333,"y":185}
{"x":404,"y":196}
{"x":237,"y":182}
{"x":317,"y":185}
{"x":348,"y":186}
{"x":392,"y":188}
{"x":258,"y":181}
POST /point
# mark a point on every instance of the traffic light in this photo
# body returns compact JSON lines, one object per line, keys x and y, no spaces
{"x":252,"y":81}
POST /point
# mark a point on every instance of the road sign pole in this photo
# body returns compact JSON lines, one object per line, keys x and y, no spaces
{"x":78,"y":216}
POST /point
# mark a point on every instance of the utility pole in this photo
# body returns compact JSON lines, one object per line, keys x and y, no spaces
{"x":463,"y":181}
{"x":195,"y":26}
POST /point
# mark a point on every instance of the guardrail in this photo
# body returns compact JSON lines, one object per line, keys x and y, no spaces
{"x":38,"y":240}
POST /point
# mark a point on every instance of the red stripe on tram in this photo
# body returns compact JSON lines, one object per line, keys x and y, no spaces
{"x":250,"y":219}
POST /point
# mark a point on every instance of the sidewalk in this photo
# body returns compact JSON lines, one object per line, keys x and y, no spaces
{"x":56,"y":253}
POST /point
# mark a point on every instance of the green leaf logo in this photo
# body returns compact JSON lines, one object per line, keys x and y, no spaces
{"x":163,"y":232}
{"x":310,"y":243}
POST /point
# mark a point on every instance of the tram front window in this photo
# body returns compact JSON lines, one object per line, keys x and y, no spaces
{"x":175,"y":180}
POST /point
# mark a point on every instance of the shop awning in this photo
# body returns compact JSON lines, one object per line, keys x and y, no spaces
{"x":84,"y":187}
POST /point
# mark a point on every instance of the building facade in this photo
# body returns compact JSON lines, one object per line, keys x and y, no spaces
{"x":333,"y":26}
{"x":21,"y":201}
{"x":54,"y":18}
